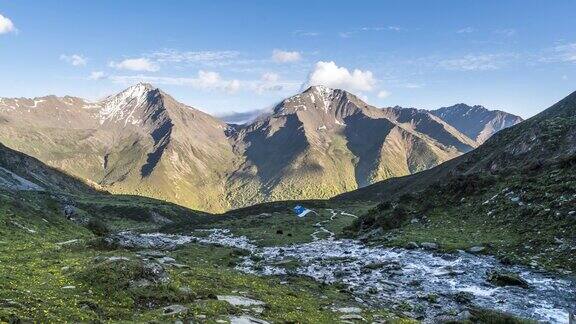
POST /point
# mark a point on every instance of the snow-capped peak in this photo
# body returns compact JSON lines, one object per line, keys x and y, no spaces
{"x":324,"y":94}
{"x":123,"y":105}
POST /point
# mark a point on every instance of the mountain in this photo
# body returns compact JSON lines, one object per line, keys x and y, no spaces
{"x":140,"y":141}
{"x":21,"y":172}
{"x":326,"y":141}
{"x":476,"y":122}
{"x":316,"y":144}
{"x":513,"y":196}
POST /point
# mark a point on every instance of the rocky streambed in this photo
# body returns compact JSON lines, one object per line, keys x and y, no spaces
{"x":422,"y":284}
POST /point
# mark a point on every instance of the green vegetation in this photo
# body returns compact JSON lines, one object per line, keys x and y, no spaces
{"x":527,"y":216}
{"x":51,"y":270}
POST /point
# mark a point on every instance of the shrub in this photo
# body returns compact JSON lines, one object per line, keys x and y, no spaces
{"x":98,"y":227}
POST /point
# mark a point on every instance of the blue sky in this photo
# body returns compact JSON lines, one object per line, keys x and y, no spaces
{"x":224,"y":56}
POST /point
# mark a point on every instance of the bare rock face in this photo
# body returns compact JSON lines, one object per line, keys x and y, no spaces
{"x":476,"y":122}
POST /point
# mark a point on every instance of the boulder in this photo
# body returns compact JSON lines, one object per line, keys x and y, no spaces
{"x":506,"y":279}
{"x":411,"y":246}
{"x":429,"y":246}
{"x":174,"y":310}
{"x":476,"y":249}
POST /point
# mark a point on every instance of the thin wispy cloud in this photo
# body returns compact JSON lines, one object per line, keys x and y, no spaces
{"x":350,"y":33}
{"x":382,"y":28}
{"x":560,"y":53}
{"x":97,"y":75}
{"x":466,"y":30}
{"x":136,"y":64}
{"x":507,"y":32}
{"x":74,"y":59}
{"x":195,"y":57}
{"x":305,"y":33}
{"x":281,"y":56}
{"x":204,"y":80}
{"x":477,"y":62}
{"x":243,"y":117}
{"x":382,"y":94}
{"x":6,"y":25}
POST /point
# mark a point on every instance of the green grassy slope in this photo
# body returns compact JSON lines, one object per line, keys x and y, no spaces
{"x":515,"y":195}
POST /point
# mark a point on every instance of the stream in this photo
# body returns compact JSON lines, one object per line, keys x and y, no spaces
{"x":435,"y":285}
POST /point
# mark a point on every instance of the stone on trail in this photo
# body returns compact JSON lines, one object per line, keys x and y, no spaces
{"x":352,"y":317}
{"x":240,"y":301}
{"x":246,"y":319}
{"x":174,"y":310}
{"x":348,"y":310}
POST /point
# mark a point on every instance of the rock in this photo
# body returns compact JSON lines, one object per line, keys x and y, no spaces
{"x":166,"y":259}
{"x":375,"y":233}
{"x":411,"y":246}
{"x":352,"y":317}
{"x":506,"y":279}
{"x":185,"y":290}
{"x":174,"y":310}
{"x":429,"y":246}
{"x":349,"y":310}
{"x":69,"y":287}
{"x":151,"y":254}
{"x":159,"y":219}
{"x":245,"y":319}
{"x":476,"y":249}
{"x":240,"y":301}
{"x":463,"y":297}
{"x":70,"y":212}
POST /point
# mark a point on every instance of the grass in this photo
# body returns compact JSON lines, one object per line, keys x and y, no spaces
{"x":521,"y":217}
{"x":43,"y":280}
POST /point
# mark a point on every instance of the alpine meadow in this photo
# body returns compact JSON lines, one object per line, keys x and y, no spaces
{"x":264,"y":162}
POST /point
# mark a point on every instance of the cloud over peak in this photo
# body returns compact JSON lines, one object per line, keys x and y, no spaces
{"x":331,"y":75}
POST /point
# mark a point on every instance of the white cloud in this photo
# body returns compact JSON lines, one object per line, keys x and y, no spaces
{"x":74,"y":59}
{"x":562,"y":53}
{"x":97,"y":75}
{"x":345,"y":34}
{"x":383,"y":94}
{"x":204,"y":80}
{"x":507,"y":32}
{"x":280,"y":56}
{"x":268,"y":82}
{"x":385,"y":28}
{"x":232,"y":86}
{"x":136,"y":64}
{"x":191,"y":57}
{"x":270,"y":77}
{"x":477,"y":62}
{"x":306,"y":33}
{"x":466,"y":30}
{"x":331,"y":75}
{"x":6,"y":25}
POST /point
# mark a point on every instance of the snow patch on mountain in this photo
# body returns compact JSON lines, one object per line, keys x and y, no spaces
{"x":121,"y":107}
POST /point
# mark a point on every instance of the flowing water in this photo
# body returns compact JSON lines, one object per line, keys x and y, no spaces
{"x":377,"y":276}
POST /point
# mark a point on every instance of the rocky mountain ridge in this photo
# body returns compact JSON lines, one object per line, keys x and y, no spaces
{"x":316,"y":144}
